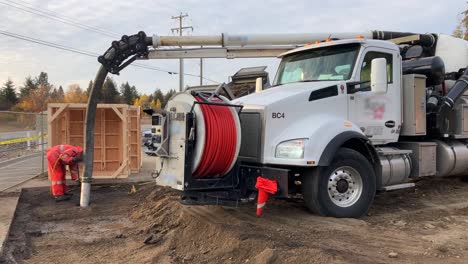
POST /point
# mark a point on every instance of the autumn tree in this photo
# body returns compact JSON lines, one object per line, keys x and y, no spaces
{"x":36,"y":101}
{"x":142,"y":101}
{"x":461,"y":30}
{"x":158,"y":95}
{"x":8,"y":97}
{"x":75,"y":94}
{"x":35,"y":94}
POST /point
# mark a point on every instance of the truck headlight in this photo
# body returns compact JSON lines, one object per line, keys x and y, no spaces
{"x":291,"y":149}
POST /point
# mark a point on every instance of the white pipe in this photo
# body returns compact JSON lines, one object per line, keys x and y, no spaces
{"x":235,"y":40}
{"x":159,"y":41}
{"x":85,"y":194}
{"x":286,"y":39}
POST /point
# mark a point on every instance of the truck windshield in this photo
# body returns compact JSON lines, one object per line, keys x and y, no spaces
{"x":322,"y":64}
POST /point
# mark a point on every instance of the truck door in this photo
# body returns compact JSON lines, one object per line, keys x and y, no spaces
{"x":378,"y":115}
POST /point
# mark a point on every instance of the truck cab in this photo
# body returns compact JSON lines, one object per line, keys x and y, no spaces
{"x":324,"y":90}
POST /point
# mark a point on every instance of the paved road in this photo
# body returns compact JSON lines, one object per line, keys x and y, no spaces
{"x":18,"y":134}
{"x":17,"y":171}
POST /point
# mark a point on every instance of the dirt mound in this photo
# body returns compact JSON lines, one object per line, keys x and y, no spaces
{"x":212,"y":234}
{"x":288,"y":233}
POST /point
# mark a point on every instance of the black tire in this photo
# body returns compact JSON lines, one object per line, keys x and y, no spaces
{"x":315,"y":186}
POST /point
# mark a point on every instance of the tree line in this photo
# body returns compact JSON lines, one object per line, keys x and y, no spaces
{"x":37,"y":92}
{"x":461,"y":30}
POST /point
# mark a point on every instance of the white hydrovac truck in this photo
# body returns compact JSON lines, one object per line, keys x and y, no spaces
{"x":348,"y":114}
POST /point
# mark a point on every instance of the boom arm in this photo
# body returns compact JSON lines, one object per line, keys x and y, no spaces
{"x":231,"y":46}
{"x":246,"y":40}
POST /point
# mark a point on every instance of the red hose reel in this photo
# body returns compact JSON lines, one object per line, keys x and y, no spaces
{"x":221,"y":139}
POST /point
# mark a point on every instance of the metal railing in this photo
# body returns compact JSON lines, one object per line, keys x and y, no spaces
{"x":23,"y":144}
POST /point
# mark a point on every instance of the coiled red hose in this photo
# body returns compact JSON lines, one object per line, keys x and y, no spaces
{"x":220,"y":141}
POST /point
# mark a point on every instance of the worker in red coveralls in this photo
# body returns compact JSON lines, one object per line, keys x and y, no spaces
{"x":57,"y":157}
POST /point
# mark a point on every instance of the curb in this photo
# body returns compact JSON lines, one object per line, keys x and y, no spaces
{"x":19,"y":183}
{"x":18,"y":159}
{"x":4,"y":243}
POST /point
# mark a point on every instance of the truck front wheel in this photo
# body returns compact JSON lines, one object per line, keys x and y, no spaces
{"x":345,"y":188}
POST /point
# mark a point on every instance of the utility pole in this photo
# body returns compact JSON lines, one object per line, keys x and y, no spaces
{"x":180,"y":29}
{"x":201,"y":70}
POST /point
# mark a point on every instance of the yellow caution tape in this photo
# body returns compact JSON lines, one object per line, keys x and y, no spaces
{"x":19,"y":140}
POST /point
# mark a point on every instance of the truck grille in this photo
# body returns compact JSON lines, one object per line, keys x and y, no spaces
{"x":251,"y":145}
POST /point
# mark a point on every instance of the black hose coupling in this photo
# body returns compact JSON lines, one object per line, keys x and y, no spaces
{"x":457,"y":90}
{"x":117,"y":57}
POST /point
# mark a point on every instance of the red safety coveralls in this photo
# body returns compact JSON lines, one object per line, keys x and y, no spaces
{"x":57,"y":157}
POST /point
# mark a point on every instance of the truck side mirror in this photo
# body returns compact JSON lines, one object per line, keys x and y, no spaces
{"x":379,"y":75}
{"x":258,"y":84}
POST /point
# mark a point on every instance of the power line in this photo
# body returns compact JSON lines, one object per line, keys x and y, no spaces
{"x":27,"y":7}
{"x":46,"y":43}
{"x":83,"y":52}
{"x":62,"y":19}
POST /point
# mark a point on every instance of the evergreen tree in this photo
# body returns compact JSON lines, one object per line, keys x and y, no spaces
{"x":90,"y":86}
{"x":8,"y":95}
{"x":60,"y":93}
{"x":135,"y":93}
{"x":109,"y":93}
{"x":57,"y":95}
{"x":42,"y":80}
{"x":28,"y":86}
{"x":3,"y":103}
{"x":54,"y":94}
{"x":167,"y":96}
{"x":128,"y":95}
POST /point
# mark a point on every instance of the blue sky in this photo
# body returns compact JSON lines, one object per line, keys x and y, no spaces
{"x":19,"y":59}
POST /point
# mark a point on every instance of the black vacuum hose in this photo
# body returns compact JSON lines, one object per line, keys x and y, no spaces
{"x":89,"y":136}
{"x":121,"y":54}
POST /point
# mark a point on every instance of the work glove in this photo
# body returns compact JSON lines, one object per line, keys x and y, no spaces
{"x":77,"y":159}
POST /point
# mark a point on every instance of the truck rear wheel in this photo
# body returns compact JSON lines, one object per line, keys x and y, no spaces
{"x":345,"y":188}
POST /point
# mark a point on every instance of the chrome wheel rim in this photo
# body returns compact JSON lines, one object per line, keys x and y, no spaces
{"x":344,"y":186}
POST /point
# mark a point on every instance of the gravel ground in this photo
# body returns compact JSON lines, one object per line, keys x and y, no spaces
{"x":426,"y":224}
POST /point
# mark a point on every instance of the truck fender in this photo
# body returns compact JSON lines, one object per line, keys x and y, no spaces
{"x":341,"y":140}
{"x":333,"y":146}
